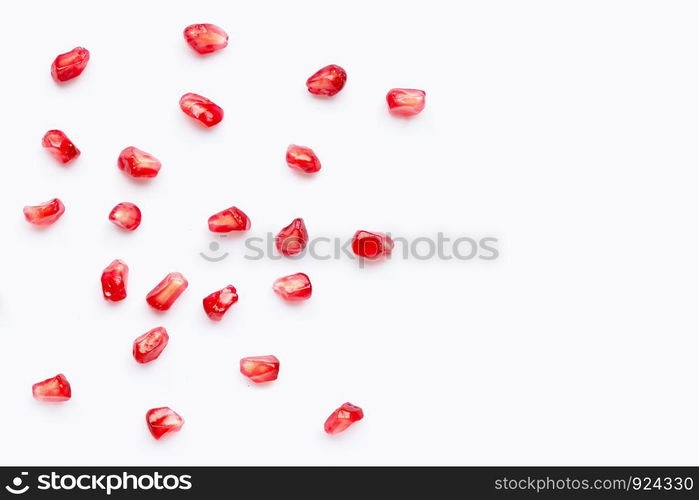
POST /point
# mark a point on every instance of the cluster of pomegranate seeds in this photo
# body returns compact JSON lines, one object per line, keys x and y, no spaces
{"x":138,"y":163}
{"x":292,"y":240}
{"x":166,"y":292}
{"x":205,"y":38}
{"x":216,"y":304}
{"x":69,"y":65}
{"x":58,"y":144}
{"x":293,"y":288}
{"x":46,"y":213}
{"x":201,"y":109}
{"x":126,"y":215}
{"x":228,"y":220}
{"x":327,"y":81}
{"x":371,"y":246}
{"x":260,"y":368}
{"x":302,"y":158}
{"x":148,"y":346}
{"x":405,"y":102}
{"x":114,"y":279}
{"x":342,"y":418}
{"x":162,"y":421}
{"x":52,"y":389}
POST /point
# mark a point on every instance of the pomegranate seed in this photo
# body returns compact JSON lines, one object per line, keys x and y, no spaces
{"x":114,"y":279}
{"x":138,"y":163}
{"x":52,"y":389}
{"x":405,"y":102}
{"x":260,"y":368}
{"x":69,"y":65}
{"x":293,"y":288}
{"x":60,"y":146}
{"x":148,"y":346}
{"x":293,"y":238}
{"x":44,"y":214}
{"x":166,"y":292}
{"x":216,"y":304}
{"x":201,"y":109}
{"x":205,"y":38}
{"x":327,"y":81}
{"x":371,"y":245}
{"x":126,"y":215}
{"x":302,"y":158}
{"x":163,"y":421}
{"x":230,"y":219}
{"x":342,"y":418}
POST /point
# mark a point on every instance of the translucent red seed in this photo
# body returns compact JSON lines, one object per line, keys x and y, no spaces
{"x":167,"y":291}
{"x":114,"y":279}
{"x":162,"y":421}
{"x":205,"y":38}
{"x":327,"y":81}
{"x":69,"y":65}
{"x":201,"y":109}
{"x":293,"y":288}
{"x":58,"y":144}
{"x":342,"y":418}
{"x":292,"y":240}
{"x":52,"y":389}
{"x":216,"y":304}
{"x":126,"y":215}
{"x":371,"y":245}
{"x":230,"y":219}
{"x":44,"y":214}
{"x":138,"y":163}
{"x":405,"y":102}
{"x":260,"y":368}
{"x":150,"y":345}
{"x":302,"y":158}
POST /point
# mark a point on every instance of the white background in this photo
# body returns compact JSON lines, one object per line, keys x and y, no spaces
{"x":567,"y":129}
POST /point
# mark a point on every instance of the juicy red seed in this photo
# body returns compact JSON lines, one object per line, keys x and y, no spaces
{"x":293,"y":288}
{"x":166,"y":292}
{"x":342,"y":418}
{"x":148,"y":346}
{"x":405,"y":102}
{"x":114,"y":279}
{"x":52,"y":389}
{"x":126,"y":215}
{"x":201,"y":109}
{"x":44,"y":214}
{"x":60,"y":146}
{"x":302,"y":158}
{"x":205,"y":38}
{"x":371,"y":245}
{"x":230,"y":219}
{"x":69,"y":65}
{"x":260,"y":368}
{"x":327,"y":81}
{"x":292,"y":239}
{"x":163,"y":421}
{"x":138,"y":163}
{"x":216,"y":304}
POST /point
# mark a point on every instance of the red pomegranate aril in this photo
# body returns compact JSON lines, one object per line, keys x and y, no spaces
{"x":292,"y":240}
{"x":114,"y":279}
{"x":69,"y":65}
{"x":405,"y":102}
{"x":52,"y":389}
{"x":293,"y":288}
{"x":302,"y":158}
{"x":342,"y":418}
{"x":60,"y":146}
{"x":205,"y":38}
{"x":162,"y":421}
{"x":230,"y":219}
{"x":371,"y":245}
{"x":138,"y":163}
{"x":126,"y":215}
{"x":260,"y":368}
{"x":148,"y":346}
{"x":216,"y":304}
{"x":44,"y":214}
{"x":327,"y":81}
{"x":201,"y":109}
{"x":166,"y":292}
